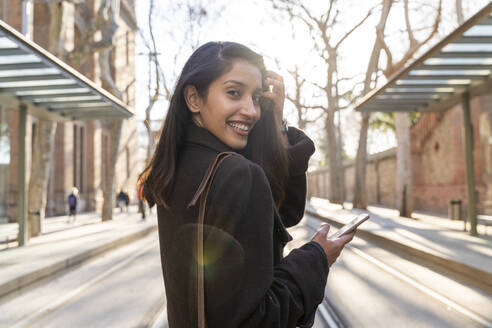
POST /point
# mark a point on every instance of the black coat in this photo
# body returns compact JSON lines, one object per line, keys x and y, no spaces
{"x":248,"y":283}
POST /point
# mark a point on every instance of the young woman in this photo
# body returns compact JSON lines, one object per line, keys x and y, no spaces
{"x":225,"y":101}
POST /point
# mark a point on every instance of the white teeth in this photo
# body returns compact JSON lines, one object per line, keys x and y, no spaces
{"x":239,"y":126}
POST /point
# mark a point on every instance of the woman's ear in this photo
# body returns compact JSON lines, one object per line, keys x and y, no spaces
{"x":192,"y":98}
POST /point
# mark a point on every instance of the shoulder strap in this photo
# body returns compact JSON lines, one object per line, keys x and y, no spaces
{"x":204,"y":187}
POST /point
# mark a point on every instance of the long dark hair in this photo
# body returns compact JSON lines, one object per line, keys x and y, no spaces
{"x":264,"y":147}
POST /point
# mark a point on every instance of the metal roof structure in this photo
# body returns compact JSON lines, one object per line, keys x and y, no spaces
{"x":36,"y":82}
{"x":31,"y":76}
{"x":454,"y":70}
{"x":461,"y":62}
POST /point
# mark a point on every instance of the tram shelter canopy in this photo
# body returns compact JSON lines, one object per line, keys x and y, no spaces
{"x":36,"y":82}
{"x":452,"y":71}
{"x":461,"y":62}
{"x":32,"y":77}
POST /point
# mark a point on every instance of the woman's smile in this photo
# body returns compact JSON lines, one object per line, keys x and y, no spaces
{"x":240,"y":128}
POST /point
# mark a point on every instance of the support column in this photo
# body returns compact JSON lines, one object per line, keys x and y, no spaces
{"x":22,"y":203}
{"x":470,"y":170}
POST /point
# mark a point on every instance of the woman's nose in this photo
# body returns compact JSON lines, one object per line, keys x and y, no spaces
{"x":250,"y":109}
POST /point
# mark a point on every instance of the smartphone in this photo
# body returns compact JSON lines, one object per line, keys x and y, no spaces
{"x":349,"y":227}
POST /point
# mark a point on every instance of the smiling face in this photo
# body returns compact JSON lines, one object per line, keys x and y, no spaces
{"x":232,"y":105}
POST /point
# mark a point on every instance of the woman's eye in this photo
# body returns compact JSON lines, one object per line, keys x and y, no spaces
{"x":233,"y":93}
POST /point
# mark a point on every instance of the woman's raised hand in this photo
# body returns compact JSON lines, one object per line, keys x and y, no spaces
{"x":276,"y":92}
{"x":332,"y":248}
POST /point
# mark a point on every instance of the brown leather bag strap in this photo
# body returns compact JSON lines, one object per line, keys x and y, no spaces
{"x":204,"y":187}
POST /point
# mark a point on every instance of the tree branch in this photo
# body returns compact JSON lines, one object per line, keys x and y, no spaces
{"x":411,"y":38}
{"x":354,"y":28}
{"x":390,"y":70}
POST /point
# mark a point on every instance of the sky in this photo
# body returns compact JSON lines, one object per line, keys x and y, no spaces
{"x":256,"y":24}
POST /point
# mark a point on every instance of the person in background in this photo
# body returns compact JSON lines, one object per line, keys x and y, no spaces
{"x":122,"y":200}
{"x":72,"y":204}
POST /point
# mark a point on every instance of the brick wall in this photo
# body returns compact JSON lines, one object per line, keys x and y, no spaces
{"x":13,"y":13}
{"x":380,"y":180}
{"x":485,"y":131}
{"x":439,"y":168}
{"x":438,"y":163}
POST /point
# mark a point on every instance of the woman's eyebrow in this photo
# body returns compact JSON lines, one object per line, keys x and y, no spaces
{"x":241,"y":84}
{"x":235,"y":82}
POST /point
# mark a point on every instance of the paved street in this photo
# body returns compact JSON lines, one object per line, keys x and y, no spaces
{"x":371,"y":287}
{"x":368,"y":287}
{"x":122,"y":288}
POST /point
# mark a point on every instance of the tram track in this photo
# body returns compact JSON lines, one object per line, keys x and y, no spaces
{"x":328,"y":312}
{"x":401,"y":276}
{"x":60,"y":302}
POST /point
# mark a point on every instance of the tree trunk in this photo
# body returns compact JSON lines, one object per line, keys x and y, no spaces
{"x":404,"y":195}
{"x":40,"y":169}
{"x":360,"y":192}
{"x":108,"y":29}
{"x":335,"y":176}
{"x":43,"y":143}
{"x":45,"y":130}
{"x":108,"y":188}
{"x":340,"y":158}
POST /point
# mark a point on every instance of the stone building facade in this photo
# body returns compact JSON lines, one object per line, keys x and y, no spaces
{"x":80,"y":156}
{"x":438,"y":163}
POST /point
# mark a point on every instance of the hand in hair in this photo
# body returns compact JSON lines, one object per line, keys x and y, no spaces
{"x":275,"y":91}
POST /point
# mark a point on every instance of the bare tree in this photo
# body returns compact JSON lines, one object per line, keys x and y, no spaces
{"x":87,"y":25}
{"x":106,"y":19}
{"x":360,"y":193}
{"x":404,"y":191}
{"x":43,"y":139}
{"x":401,"y":120}
{"x":327,"y":48}
{"x":196,"y":13}
{"x":302,"y":109}
{"x":153,"y":96}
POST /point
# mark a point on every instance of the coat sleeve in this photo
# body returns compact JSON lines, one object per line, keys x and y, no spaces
{"x":300,"y":149}
{"x":243,"y":288}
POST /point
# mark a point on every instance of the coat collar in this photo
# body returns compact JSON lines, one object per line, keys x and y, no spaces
{"x":200,"y":136}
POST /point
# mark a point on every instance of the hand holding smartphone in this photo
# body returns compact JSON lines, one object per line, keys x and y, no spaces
{"x":349,"y":227}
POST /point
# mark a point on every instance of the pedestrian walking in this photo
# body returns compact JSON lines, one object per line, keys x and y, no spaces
{"x":228,"y":176}
{"x":72,"y":204}
{"x":122,"y":200}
